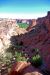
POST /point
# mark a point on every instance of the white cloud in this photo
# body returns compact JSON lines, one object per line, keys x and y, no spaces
{"x":22,"y":15}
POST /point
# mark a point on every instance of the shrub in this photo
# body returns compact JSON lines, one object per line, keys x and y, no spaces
{"x":36,"y":60}
{"x":19,"y":57}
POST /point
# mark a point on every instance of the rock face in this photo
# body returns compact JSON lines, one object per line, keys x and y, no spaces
{"x":38,"y":36}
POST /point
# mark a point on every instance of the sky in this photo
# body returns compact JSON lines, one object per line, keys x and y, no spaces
{"x":24,"y":8}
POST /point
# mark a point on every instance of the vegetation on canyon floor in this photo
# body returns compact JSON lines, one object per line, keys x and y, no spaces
{"x":23,"y":25}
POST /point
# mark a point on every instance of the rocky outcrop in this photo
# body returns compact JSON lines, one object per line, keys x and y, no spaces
{"x":24,"y":68}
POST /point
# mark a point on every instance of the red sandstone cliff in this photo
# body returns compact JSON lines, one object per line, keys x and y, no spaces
{"x":38,"y":36}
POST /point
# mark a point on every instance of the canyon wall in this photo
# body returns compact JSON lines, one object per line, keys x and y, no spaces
{"x":38,"y":36}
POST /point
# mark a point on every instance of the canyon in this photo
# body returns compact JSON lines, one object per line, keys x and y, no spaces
{"x":37,"y":35}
